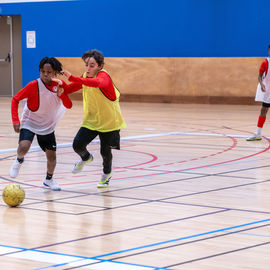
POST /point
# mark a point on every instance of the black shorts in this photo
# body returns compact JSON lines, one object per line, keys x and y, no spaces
{"x":111,"y":138}
{"x":267,"y":105}
{"x":46,"y":142}
{"x":107,"y":139}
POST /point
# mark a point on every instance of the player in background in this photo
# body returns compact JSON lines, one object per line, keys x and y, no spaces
{"x":262,"y":95}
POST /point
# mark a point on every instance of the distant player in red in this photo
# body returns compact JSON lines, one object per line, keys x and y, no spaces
{"x":42,"y":110}
{"x":262,"y":95}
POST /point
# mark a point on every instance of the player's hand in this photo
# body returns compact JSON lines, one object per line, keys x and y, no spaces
{"x":16,"y":128}
{"x":263,"y":87}
{"x":60,"y":91}
{"x":57,"y":81}
{"x":66,"y":73}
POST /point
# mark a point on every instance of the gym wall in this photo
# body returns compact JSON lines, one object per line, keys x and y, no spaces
{"x":170,"y":51}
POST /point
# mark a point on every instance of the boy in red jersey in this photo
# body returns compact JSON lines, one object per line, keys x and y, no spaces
{"x":262,"y":95}
{"x":43,"y":109}
{"x":102,"y":114}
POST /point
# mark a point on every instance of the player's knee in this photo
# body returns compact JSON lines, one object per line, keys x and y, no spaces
{"x":23,"y":148}
{"x":106,"y":155}
{"x":264,"y":111}
{"x":51,"y":156}
{"x":77,"y":147}
{"x":52,"y":159}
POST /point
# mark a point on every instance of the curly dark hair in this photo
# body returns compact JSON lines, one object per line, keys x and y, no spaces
{"x":55,"y":64}
{"x":97,"y":55}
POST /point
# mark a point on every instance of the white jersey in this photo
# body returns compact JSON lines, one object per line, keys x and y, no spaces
{"x":264,"y":96}
{"x":49,"y":112}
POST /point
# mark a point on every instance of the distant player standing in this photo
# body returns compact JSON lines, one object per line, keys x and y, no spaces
{"x":262,"y":95}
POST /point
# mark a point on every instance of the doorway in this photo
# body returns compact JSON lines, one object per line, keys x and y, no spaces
{"x":10,"y":55}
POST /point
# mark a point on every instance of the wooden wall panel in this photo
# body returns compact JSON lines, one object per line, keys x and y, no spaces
{"x":203,"y":80}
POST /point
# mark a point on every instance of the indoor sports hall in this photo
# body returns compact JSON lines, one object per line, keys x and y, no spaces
{"x":189,"y":189}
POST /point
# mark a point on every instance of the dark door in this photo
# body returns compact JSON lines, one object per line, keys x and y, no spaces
{"x":10,"y":55}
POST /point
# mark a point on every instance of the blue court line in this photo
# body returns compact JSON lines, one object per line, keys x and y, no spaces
{"x":181,"y":238}
{"x":141,"y":247}
{"x":77,"y":259}
{"x":100,"y":261}
{"x":60,"y":264}
{"x":41,"y":251}
{"x":254,"y":234}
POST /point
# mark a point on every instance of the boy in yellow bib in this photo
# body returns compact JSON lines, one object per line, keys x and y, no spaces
{"x":102,"y":114}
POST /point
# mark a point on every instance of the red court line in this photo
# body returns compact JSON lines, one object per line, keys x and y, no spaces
{"x":192,"y":168}
{"x":153,"y":158}
{"x":176,"y":171}
{"x":234,"y":144}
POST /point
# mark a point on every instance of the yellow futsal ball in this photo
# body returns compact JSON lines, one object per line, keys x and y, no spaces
{"x":13,"y":195}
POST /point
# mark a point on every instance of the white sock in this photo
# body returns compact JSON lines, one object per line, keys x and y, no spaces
{"x":259,"y":131}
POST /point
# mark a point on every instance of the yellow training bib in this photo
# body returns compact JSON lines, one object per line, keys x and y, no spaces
{"x":100,"y":113}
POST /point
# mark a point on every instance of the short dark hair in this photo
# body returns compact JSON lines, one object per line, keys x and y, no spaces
{"x":97,"y":55}
{"x":55,"y":64}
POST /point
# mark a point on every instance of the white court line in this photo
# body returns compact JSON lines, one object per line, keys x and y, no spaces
{"x":4,"y":250}
{"x":64,"y":145}
{"x":68,"y":260}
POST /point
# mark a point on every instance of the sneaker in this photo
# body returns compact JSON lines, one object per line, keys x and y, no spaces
{"x":15,"y":168}
{"x":104,"y":181}
{"x":254,"y":137}
{"x":79,"y":165}
{"x":51,"y":184}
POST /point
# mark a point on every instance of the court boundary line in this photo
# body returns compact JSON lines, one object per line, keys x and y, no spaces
{"x":194,"y":241}
{"x":130,"y":138}
{"x":221,"y":253}
{"x":183,"y":238}
{"x":119,"y":231}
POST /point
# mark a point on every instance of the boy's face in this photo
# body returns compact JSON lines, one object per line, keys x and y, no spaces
{"x":91,"y":67}
{"x":47,"y":73}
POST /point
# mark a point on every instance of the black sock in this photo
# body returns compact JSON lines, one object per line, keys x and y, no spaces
{"x":20,"y":160}
{"x":49,"y":176}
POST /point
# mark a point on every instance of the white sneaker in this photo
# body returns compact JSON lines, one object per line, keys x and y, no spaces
{"x":79,"y":165}
{"x":254,"y":137}
{"x":51,"y":184}
{"x":104,"y":181}
{"x":15,"y":168}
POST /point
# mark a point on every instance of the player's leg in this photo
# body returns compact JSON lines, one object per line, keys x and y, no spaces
{"x":25,"y":140}
{"x":51,"y":161}
{"x":81,"y":140}
{"x":106,"y":154}
{"x":261,"y":120}
{"x":108,"y":141}
{"x":48,"y":144}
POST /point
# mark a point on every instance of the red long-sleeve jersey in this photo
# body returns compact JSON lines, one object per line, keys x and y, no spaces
{"x":31,"y":93}
{"x":264,"y":67}
{"x":103,"y":81}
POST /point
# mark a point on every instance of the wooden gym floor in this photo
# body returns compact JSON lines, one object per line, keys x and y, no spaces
{"x":188,"y":192}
